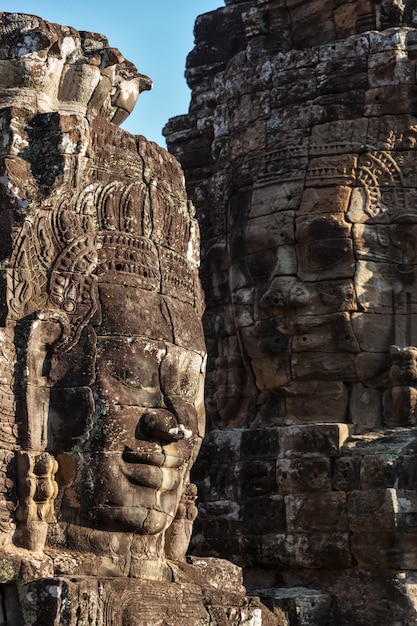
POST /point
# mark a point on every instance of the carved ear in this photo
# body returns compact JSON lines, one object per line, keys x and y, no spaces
{"x":178,"y":534}
{"x":48,"y":329}
{"x":36,"y":486}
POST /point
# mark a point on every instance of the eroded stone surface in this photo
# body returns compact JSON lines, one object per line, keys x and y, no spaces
{"x":299,"y":153}
{"x":102,"y":357}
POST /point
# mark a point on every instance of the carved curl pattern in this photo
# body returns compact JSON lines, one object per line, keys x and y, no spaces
{"x":380,"y":176}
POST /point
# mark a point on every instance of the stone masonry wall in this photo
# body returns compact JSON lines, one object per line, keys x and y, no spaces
{"x":299,"y":151}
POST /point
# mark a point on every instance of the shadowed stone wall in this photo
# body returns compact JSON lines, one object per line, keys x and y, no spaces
{"x":299,"y":151}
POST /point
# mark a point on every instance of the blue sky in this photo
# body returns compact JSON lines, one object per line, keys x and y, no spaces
{"x":156,"y":35}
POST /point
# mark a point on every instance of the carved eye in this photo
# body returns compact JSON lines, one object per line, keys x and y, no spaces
{"x":125,"y":375}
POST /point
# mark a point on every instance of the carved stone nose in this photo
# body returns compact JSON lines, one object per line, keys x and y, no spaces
{"x":161,"y":425}
{"x":277,"y":296}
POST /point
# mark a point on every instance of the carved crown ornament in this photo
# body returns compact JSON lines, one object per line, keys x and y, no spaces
{"x":48,"y":67}
{"x":104,"y":233}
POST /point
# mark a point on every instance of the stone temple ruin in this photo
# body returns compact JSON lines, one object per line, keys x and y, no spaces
{"x":299,"y":154}
{"x":102,"y":354}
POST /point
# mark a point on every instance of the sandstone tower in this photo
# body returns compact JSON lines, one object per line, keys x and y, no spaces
{"x":299,"y":151}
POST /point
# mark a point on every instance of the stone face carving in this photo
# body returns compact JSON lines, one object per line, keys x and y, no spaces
{"x":299,"y":153}
{"x":102,"y":351}
{"x":108,"y":317}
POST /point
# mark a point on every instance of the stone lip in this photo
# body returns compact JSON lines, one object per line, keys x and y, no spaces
{"x":46,"y":67}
